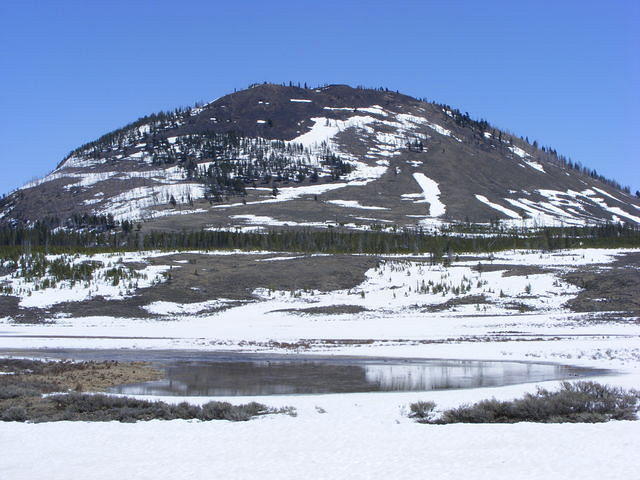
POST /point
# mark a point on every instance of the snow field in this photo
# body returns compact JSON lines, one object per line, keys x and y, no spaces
{"x":290,"y":448}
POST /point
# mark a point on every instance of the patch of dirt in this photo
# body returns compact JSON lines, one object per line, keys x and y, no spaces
{"x":22,"y":389}
{"x":99,"y":306}
{"x":236,"y":276}
{"x":511,"y":270}
{"x":449,"y":304}
{"x":4,"y":270}
{"x":328,"y":310}
{"x":612,"y":289}
{"x":520,"y":307}
{"x":78,"y":376}
{"x":8,"y":305}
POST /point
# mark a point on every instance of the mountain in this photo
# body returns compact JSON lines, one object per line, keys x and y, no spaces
{"x":274,"y":155}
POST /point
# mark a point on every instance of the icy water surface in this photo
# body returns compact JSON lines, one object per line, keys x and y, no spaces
{"x":279,"y":377}
{"x":194,"y":373}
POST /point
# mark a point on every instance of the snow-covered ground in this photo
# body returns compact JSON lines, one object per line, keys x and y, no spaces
{"x":357,"y":435}
{"x":315,"y":447}
{"x":33,"y":294}
{"x":403,"y":298}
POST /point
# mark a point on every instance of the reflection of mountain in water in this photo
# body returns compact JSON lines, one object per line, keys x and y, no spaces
{"x":457,"y":374}
{"x":230,"y":378}
{"x":285,"y":377}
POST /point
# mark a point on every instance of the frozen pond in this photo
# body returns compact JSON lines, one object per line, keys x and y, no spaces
{"x":196,"y":373}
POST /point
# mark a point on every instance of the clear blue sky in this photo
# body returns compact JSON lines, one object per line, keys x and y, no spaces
{"x":564,"y":72}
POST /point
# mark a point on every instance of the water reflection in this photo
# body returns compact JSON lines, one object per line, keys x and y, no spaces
{"x":440,"y":375}
{"x":227,"y":377}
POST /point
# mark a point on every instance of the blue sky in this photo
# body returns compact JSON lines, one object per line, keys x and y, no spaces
{"x":563,"y":72}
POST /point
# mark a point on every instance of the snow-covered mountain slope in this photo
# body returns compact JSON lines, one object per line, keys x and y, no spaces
{"x":273,"y":155}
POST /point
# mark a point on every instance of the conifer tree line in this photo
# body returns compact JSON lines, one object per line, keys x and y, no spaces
{"x":43,"y":238}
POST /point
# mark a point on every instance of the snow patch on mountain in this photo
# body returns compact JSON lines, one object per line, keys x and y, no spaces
{"x":89,"y":179}
{"x":264,"y":221}
{"x":325,"y":129}
{"x":526,"y":157}
{"x":354,"y":204}
{"x":431,"y":194}
{"x":374,"y":109}
{"x":519,"y":152}
{"x":535,"y":165}
{"x":286,"y":194}
{"x":76,"y":161}
{"x":578,"y":200}
{"x":614,"y":210}
{"x":599,"y":190}
{"x":500,"y":208}
{"x":267,"y":221}
{"x":135,"y":203}
{"x":539,"y":216}
{"x":439,"y":129}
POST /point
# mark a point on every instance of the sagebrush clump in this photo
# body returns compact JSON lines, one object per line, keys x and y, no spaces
{"x":422,"y":411}
{"x":99,"y":407}
{"x":579,"y":402}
